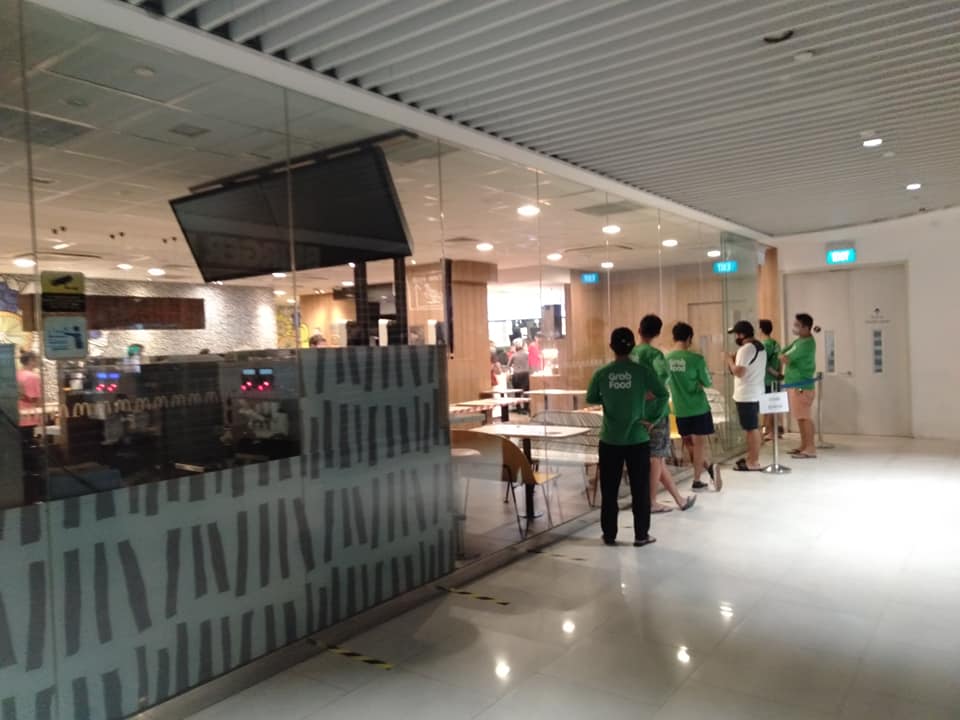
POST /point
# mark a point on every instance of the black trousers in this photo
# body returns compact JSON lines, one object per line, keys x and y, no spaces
{"x":637,"y":460}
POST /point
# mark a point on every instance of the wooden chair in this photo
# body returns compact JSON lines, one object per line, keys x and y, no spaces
{"x":513,"y":465}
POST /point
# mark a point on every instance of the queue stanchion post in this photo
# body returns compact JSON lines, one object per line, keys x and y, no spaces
{"x":821,"y":443}
{"x":776,"y":468}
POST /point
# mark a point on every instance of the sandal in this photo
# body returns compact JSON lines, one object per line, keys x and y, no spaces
{"x":803,"y":456}
{"x":742,"y":466}
{"x":660,"y":509}
{"x":689,"y":503}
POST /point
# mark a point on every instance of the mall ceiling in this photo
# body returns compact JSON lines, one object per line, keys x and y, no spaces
{"x":752,"y":111}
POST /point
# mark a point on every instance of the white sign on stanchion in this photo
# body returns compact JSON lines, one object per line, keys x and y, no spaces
{"x":775,"y":404}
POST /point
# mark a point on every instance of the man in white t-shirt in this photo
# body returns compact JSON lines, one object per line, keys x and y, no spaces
{"x":749,"y":369}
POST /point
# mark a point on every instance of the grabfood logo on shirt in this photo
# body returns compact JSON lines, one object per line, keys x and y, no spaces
{"x":678,"y":365}
{"x":621,"y":381}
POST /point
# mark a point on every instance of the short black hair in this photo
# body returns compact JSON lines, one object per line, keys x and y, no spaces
{"x":682,"y":332}
{"x":766,"y":326}
{"x":27,"y":357}
{"x":805,"y":320}
{"x":622,"y":341}
{"x":650,"y":326}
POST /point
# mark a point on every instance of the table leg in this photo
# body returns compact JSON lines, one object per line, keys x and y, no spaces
{"x":532,"y":514}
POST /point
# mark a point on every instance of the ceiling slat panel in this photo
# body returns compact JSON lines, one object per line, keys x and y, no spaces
{"x":682,"y":99}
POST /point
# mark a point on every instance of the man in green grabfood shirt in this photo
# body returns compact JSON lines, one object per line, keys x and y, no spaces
{"x":660,"y":450}
{"x":800,"y":363}
{"x":688,"y":377}
{"x":773,"y":370}
{"x":632,"y":398}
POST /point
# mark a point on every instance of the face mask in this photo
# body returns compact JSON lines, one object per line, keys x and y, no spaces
{"x":739,"y":341}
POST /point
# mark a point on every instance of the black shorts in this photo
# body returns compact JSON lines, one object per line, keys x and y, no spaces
{"x":695,"y":425}
{"x":749,"y":413}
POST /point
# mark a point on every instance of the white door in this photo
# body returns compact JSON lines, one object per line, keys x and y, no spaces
{"x":862,"y":346}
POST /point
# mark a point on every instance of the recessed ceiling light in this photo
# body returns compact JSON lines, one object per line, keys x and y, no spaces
{"x":351,"y":265}
{"x":555,"y":257}
{"x":714,"y":253}
{"x":611,"y":229}
{"x":24,"y":262}
{"x":484,"y":247}
{"x":804,"y":56}
{"x":279,"y":275}
{"x":124,"y":266}
{"x":61,"y":246}
{"x":144,"y":71}
{"x":347,"y":283}
{"x":778,"y":37}
{"x":279,"y":293}
{"x":873,"y":142}
{"x":670,"y":242}
{"x":606,"y":265}
{"x":291,"y":301}
{"x":156,"y":272}
{"x":914,"y":186}
{"x":528,"y":211}
{"x":413,"y":262}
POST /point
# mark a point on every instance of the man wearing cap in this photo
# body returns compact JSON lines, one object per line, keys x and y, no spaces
{"x":749,"y":369}
{"x":632,"y":397}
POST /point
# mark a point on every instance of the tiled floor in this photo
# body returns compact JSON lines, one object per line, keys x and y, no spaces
{"x":833,"y":592}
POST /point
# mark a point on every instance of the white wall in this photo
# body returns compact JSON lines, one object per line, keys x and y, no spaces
{"x":929,"y":245}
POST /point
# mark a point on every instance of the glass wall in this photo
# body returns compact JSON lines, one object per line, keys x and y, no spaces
{"x":269,"y":362}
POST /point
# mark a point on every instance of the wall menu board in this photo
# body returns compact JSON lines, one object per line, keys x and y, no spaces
{"x":110,"y":312}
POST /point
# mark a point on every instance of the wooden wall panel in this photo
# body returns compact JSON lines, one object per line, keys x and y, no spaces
{"x":323,"y":314}
{"x":768,"y":292}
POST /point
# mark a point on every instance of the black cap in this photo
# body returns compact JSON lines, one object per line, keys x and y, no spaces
{"x":741,"y":327}
{"x":622,"y":341}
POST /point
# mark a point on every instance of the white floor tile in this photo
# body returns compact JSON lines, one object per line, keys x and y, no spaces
{"x":288,"y":696}
{"x":696,"y":701}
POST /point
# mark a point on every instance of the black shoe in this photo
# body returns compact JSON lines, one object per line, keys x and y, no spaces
{"x":648,"y":540}
{"x":711,"y":469}
{"x":699,"y":485}
{"x":610,"y":542}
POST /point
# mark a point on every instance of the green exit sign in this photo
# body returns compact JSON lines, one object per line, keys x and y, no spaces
{"x":841,"y":256}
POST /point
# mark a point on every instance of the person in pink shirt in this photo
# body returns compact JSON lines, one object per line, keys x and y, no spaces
{"x":533,"y":350}
{"x":30,"y":402}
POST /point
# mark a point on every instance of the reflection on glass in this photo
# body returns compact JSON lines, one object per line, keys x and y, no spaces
{"x":502,"y":670}
{"x":683,"y":655}
{"x":569,"y":627}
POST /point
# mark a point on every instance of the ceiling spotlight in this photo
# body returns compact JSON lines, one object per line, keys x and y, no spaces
{"x":873,"y":142}
{"x":156,"y":272}
{"x":502,"y":670}
{"x":144,"y":71}
{"x":279,"y":275}
{"x":528,"y":211}
{"x":61,"y":246}
{"x":124,"y":266}
{"x":412,"y":261}
{"x":24,"y":262}
{"x":714,"y":253}
{"x":484,"y":247}
{"x":279,"y":293}
{"x":670,"y":242}
{"x":555,"y":257}
{"x":606,"y":265}
{"x":351,"y":265}
{"x":914,"y":186}
{"x":347,"y":283}
{"x":611,"y":229}
{"x":291,"y":301}
{"x":569,"y":627}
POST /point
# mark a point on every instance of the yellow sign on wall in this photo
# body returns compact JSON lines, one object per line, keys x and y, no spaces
{"x":54,"y":282}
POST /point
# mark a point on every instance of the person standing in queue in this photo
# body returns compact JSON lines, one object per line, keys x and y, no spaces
{"x":749,"y":368}
{"x":645,"y":352}
{"x":30,"y":408}
{"x":632,"y":398}
{"x":772,"y":347}
{"x":800,"y":369}
{"x":688,"y":378}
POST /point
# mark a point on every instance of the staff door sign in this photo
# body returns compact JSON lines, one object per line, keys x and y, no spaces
{"x":65,"y":337}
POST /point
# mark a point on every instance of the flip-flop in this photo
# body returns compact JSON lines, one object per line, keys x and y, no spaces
{"x":803,"y":456}
{"x":740,"y":464}
{"x":660,"y":510}
{"x":689,"y":503}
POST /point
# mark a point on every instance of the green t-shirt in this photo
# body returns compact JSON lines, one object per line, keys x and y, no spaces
{"x":622,"y":387}
{"x":688,"y":377}
{"x":773,"y":359}
{"x":803,"y":363}
{"x":653,"y":357}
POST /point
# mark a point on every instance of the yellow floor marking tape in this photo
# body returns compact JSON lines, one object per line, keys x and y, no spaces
{"x":360,"y":657}
{"x":475,"y":596}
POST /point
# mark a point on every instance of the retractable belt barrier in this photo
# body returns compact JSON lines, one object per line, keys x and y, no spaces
{"x":776,"y":468}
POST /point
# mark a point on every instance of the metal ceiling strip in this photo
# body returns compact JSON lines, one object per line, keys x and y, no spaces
{"x":315,"y":21}
{"x":350,"y":27}
{"x":214,"y":13}
{"x":175,"y":8}
{"x":274,"y":15}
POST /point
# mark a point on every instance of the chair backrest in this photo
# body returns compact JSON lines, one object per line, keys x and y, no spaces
{"x":516,"y":462}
